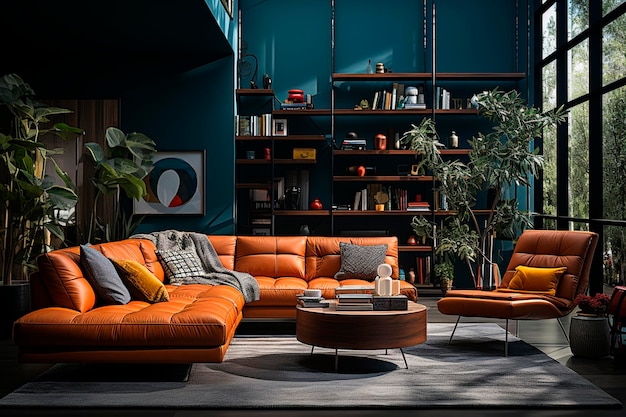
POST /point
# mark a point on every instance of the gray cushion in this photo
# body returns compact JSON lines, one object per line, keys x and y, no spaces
{"x":103,"y":276}
{"x":179,"y":265}
{"x":360,"y":262}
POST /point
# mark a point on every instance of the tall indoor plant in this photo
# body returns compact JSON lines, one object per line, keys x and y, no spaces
{"x":32,"y":199}
{"x":498,"y":161}
{"x":120,"y":166}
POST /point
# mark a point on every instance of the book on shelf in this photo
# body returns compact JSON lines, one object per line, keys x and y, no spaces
{"x":375,"y":100}
{"x":293,"y":106}
{"x":354,"y":144}
{"x":354,"y":306}
{"x":244,"y":125}
{"x":423,"y":270}
{"x":415,"y":106}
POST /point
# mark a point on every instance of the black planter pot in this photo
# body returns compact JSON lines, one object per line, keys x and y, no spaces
{"x":14,"y":303}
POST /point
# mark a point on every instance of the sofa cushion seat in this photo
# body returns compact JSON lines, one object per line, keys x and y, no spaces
{"x":282,"y":291}
{"x":494,"y":304}
{"x":187,"y":320}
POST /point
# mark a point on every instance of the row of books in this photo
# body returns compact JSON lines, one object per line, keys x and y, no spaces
{"x":388,"y":99}
{"x":254,"y":125}
{"x":398,"y":198}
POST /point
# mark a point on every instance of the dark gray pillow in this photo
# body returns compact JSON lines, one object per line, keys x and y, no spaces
{"x":103,"y":277}
{"x":360,"y":262}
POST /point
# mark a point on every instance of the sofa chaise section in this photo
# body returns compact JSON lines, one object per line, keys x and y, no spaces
{"x":195,"y":325}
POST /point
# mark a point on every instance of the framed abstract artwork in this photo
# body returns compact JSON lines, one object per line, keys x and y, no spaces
{"x":175,"y":185}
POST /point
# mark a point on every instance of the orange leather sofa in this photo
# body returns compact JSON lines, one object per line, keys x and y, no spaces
{"x":198,"y":322}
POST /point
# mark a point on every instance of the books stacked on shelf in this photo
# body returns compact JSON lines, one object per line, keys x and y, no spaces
{"x":254,"y":125}
{"x":354,"y":302}
{"x":354,"y":145}
{"x":312,"y":302}
{"x":418,"y":206}
{"x":293,"y":106}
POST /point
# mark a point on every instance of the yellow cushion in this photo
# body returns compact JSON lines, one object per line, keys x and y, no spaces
{"x":141,"y":283}
{"x":537,"y":280}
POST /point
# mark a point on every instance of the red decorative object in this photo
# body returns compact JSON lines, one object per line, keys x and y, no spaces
{"x":593,"y":304}
{"x":411,"y":240}
{"x":296,"y":96}
{"x":360,"y":171}
{"x":268,"y":154}
{"x":316,"y":204}
{"x":380,"y":142}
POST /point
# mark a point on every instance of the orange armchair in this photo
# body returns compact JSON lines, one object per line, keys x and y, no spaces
{"x":519,"y":297}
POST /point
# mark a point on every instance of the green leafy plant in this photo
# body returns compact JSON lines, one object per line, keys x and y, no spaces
{"x":498,"y":161}
{"x":444,"y":272}
{"x":119,"y":167}
{"x":33,"y":200}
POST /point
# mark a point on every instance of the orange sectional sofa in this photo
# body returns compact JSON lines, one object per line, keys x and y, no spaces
{"x":69,"y":324}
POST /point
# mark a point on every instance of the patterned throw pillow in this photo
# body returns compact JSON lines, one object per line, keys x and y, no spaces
{"x":142,"y":284}
{"x":103,"y":276}
{"x":180,"y":265}
{"x":360,"y":262}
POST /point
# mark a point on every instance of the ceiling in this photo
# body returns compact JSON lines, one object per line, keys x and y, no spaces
{"x":86,"y":48}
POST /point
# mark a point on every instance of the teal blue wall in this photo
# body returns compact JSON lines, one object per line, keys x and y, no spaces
{"x":192,"y":111}
{"x":292,"y":41}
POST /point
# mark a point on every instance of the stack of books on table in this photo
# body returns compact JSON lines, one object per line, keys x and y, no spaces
{"x":354,"y":302}
{"x":312,"y":302}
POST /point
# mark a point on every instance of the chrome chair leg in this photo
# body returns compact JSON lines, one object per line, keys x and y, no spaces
{"x":454,"y":330}
{"x":506,"y":338}
{"x":563,"y":329}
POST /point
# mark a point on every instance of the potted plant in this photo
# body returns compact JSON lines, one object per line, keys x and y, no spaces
{"x":32,"y":198}
{"x":119,"y":167}
{"x":593,"y":305}
{"x":499,"y":160}
{"x":381,"y":199}
{"x":589,"y":333}
{"x":444,"y":272}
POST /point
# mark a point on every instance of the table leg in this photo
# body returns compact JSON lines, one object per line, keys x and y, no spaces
{"x":336,"y":360}
{"x":404,"y":357}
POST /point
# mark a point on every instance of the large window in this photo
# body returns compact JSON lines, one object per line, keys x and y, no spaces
{"x":580,"y":63}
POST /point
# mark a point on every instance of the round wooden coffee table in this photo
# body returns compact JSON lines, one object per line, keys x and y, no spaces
{"x":363,"y":330}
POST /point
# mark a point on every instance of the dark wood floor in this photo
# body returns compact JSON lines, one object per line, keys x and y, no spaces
{"x":606,"y":373}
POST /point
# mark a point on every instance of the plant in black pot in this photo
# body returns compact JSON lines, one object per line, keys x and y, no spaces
{"x":34,"y":191}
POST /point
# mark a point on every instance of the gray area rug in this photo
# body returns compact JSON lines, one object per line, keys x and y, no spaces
{"x":280,"y":372}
